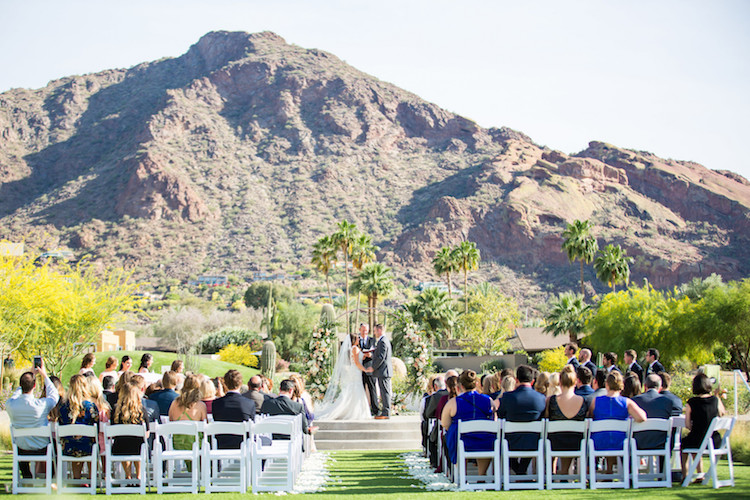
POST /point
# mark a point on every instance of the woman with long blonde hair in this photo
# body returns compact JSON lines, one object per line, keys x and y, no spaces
{"x":96,"y":396}
{"x":129,"y":410}
{"x":78,"y":409}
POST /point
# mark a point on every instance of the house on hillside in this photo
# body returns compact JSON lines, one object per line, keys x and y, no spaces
{"x":117,"y":340}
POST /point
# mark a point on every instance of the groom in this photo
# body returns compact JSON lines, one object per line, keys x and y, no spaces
{"x":382,"y":369}
{"x":367,"y":346}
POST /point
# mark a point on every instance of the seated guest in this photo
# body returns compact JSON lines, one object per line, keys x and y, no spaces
{"x":585,"y":359}
{"x":487,"y":388}
{"x":700,"y":410}
{"x":109,"y":369}
{"x":108,"y":386}
{"x":631,"y":386}
{"x":177,"y":367}
{"x":87,"y":364}
{"x":232,"y":407}
{"x":129,"y":410}
{"x":666,"y":381}
{"x":55,"y":412}
{"x":631,"y":364}
{"x":208,"y":392}
{"x":567,"y":406}
{"x":302,"y":396}
{"x":656,"y":406}
{"x":187,"y":406}
{"x":165,"y":396}
{"x":253,"y":392}
{"x":146,"y":361}
{"x":78,"y":409}
{"x":434,"y":384}
{"x":524,"y":404}
{"x":496,"y":385}
{"x":150,"y":408}
{"x":283,"y":404}
{"x":26,"y":411}
{"x":613,"y":406}
{"x":507,"y":384}
{"x":468,"y":405}
{"x":125,"y":364}
{"x":541,"y":385}
{"x":610,"y":363}
{"x":267,"y":388}
{"x":553,"y":387}
{"x":451,"y":385}
{"x":583,"y":384}
{"x":124,"y":380}
{"x":599,"y":384}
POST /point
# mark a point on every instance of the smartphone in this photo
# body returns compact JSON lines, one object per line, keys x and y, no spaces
{"x":37,"y":361}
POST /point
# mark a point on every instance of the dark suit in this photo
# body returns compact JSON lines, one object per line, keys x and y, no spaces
{"x":430,"y":408}
{"x":591,"y":366}
{"x":164,"y":399}
{"x":657,"y":368}
{"x":285,"y":406}
{"x":522,"y":405}
{"x":656,"y":406}
{"x":637,"y":370}
{"x":151,"y":409}
{"x":586,"y":392}
{"x":381,"y":363}
{"x":573,"y":361}
{"x":368,"y":380}
{"x":232,"y":408}
{"x":614,"y":369}
{"x":676,"y":402}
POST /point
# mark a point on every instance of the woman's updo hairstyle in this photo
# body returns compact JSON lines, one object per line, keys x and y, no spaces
{"x":468,"y":380}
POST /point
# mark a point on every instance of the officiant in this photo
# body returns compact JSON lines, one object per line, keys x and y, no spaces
{"x":367,"y":345}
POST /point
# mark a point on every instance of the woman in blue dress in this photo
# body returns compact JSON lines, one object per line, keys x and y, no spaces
{"x":78,"y":409}
{"x":613,"y":406}
{"x":468,"y":405}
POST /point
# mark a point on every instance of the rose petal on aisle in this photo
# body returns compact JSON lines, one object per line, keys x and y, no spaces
{"x":314,"y":474}
{"x":419,"y":468}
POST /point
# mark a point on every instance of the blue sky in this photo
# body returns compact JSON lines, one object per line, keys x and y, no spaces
{"x":671,"y":76}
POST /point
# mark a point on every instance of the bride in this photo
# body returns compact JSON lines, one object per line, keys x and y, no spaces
{"x":345,"y":397}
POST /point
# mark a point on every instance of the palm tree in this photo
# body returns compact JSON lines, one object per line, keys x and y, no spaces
{"x":613,"y":266}
{"x":434,"y":310}
{"x":363,"y":252}
{"x":323,"y":258}
{"x":445,"y":263}
{"x":466,"y":256}
{"x":567,"y":315}
{"x":343,"y":240}
{"x":374,"y":281}
{"x":580,"y":244}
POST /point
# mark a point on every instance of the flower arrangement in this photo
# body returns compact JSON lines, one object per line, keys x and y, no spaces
{"x":322,"y":344}
{"x":417,"y":357}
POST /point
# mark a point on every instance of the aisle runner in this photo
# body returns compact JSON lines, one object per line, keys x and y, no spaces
{"x":314,"y":474}
{"x":419,"y":468}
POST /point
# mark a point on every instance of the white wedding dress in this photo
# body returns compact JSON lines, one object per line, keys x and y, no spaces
{"x":345,"y":397}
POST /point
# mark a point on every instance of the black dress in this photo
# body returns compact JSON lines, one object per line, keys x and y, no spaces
{"x":702,"y":412}
{"x":127,"y":445}
{"x":566,"y":441}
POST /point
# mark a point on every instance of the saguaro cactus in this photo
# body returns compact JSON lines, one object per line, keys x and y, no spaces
{"x":268,"y":359}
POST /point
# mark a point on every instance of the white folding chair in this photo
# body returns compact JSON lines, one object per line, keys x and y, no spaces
{"x":565,"y":480}
{"x":678,"y":423}
{"x":464,"y":478}
{"x":113,"y":482}
{"x":224,"y":469}
{"x":713,"y":453}
{"x":166,"y":452}
{"x":621,"y":478}
{"x":277,"y":474}
{"x":658,"y":471}
{"x":526,"y":480}
{"x":297,"y":437}
{"x":34,"y":484}
{"x":83,"y":485}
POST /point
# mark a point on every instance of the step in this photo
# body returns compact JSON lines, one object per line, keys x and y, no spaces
{"x":397,"y":422}
{"x":359,"y":434}
{"x":367,"y":444}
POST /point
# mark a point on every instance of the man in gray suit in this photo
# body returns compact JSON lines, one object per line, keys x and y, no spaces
{"x":382,"y":371}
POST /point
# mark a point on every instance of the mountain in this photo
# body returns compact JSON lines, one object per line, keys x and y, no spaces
{"x":240,"y":153}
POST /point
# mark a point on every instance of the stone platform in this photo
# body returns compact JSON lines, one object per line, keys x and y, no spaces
{"x":397,"y":433}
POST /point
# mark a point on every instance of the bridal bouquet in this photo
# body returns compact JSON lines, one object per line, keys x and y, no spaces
{"x":323,"y":342}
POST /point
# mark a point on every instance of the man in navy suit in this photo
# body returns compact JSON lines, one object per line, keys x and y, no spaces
{"x":570,"y":352}
{"x":652,"y":358}
{"x":656,"y":406}
{"x":610,"y":362}
{"x":583,"y":384}
{"x":585,"y":359}
{"x":666,"y":381}
{"x":632,"y":366}
{"x":522,"y":405}
{"x":367,"y":345}
{"x":284,"y":405}
{"x":232,"y":407}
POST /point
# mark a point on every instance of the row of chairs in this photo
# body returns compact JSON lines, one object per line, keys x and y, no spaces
{"x":644,"y":467}
{"x":264,"y":463}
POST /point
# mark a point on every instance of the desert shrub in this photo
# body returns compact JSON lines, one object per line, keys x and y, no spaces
{"x":552,"y":360}
{"x":491,"y":366}
{"x":682,"y":386}
{"x":240,"y":355}
{"x":216,"y":341}
{"x":282,"y":365}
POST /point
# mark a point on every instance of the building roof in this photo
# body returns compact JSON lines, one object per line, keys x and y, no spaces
{"x":535,"y":340}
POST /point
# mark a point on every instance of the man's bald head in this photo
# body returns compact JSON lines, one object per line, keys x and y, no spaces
{"x":254,"y":383}
{"x":584,"y":355}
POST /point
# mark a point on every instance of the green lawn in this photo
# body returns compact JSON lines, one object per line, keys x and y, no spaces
{"x":379,"y":474}
{"x":207,"y":366}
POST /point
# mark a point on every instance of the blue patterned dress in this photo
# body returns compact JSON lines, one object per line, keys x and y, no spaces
{"x":89,"y":415}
